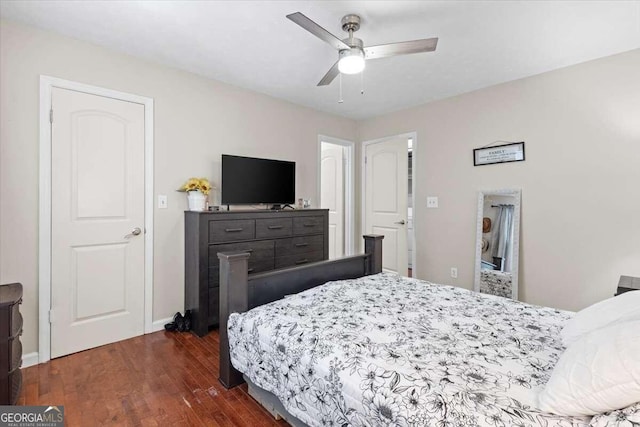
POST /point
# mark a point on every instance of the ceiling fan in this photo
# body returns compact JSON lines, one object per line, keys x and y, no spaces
{"x":351,"y":51}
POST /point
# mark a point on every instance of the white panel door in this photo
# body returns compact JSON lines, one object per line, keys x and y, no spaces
{"x":97,"y":192}
{"x":386,"y":194}
{"x":332,"y":195}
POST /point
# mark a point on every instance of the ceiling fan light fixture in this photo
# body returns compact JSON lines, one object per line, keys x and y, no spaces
{"x":351,"y":50}
{"x":351,"y":61}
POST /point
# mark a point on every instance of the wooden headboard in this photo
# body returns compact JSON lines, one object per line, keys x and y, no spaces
{"x":240,"y":292}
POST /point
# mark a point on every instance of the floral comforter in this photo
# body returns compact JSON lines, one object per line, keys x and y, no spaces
{"x":385,"y":350}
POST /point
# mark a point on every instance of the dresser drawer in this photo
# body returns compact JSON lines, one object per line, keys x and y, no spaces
{"x":258,"y":251}
{"x":254,"y":267}
{"x":15,"y":354}
{"x":232,"y":230}
{"x":260,"y":259}
{"x":299,"y":259}
{"x":16,"y":320}
{"x":299,"y":245}
{"x":273,"y":227}
{"x":308,"y":225}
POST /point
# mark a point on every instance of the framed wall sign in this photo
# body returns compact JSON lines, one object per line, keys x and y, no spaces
{"x":512,"y":152}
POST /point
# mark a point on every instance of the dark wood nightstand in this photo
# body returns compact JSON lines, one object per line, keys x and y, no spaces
{"x":628,"y":283}
{"x":10,"y":346}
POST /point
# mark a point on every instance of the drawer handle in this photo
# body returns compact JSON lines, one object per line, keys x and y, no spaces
{"x":301,"y":245}
{"x":309,"y":224}
{"x":250,"y":270}
{"x":302,"y":261}
{"x":275,"y":227}
{"x":249,"y":251}
{"x":232,"y":230}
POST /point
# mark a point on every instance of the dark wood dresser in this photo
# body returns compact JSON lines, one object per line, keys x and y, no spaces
{"x":627,"y":284}
{"x":275,"y":239}
{"x":10,"y":345}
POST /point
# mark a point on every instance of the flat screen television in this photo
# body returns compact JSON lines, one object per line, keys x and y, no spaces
{"x":249,"y":180}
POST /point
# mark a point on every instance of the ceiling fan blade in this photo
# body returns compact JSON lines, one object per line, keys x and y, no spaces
{"x":331,"y":74}
{"x":317,"y":30}
{"x":402,"y":48}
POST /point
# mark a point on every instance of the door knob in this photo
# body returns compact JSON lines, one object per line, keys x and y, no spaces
{"x":135,"y":232}
{"x":401,"y":222}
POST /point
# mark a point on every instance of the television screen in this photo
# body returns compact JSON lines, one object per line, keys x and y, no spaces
{"x":247,"y":180}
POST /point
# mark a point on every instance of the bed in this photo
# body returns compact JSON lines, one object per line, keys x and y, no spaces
{"x":377,"y":349}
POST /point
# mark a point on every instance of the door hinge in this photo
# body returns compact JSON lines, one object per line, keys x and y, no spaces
{"x":365,"y":160}
{"x":51,"y":116}
{"x":50,"y":316}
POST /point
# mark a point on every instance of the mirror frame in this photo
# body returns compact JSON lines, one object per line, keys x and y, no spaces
{"x":517,"y":194}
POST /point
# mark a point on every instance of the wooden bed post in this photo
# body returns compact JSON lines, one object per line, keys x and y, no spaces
{"x":373,"y":248}
{"x":234,"y":293}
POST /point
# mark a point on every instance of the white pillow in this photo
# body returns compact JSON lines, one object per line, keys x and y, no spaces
{"x":623,"y":308}
{"x":598,"y":373}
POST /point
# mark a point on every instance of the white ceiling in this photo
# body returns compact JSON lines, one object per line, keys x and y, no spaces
{"x":251,"y":44}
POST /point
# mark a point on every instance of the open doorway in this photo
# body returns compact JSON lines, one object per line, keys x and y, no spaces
{"x":388,"y":188}
{"x":335,"y":192}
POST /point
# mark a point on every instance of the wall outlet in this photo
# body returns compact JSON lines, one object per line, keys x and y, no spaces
{"x":432,"y":202}
{"x":162,"y":201}
{"x":454,"y":272}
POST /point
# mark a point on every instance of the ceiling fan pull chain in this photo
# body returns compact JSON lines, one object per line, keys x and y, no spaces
{"x":362,"y":82}
{"x":340,"y":100}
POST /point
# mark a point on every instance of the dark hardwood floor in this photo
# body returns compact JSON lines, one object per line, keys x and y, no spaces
{"x":160,"y":379}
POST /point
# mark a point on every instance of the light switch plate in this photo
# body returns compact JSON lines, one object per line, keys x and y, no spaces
{"x":432,"y":202}
{"x":162,"y":201}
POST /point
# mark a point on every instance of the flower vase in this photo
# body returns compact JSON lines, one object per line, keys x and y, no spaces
{"x":197,"y":201}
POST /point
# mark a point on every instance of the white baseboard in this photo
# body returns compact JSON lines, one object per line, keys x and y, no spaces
{"x":158,"y":325}
{"x":30,"y":359}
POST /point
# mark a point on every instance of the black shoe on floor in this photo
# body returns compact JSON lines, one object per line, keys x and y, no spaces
{"x":179,"y":321}
{"x":187,"y":320}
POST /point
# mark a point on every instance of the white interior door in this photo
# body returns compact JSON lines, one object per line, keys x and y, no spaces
{"x":386,"y":194}
{"x":97,"y":213}
{"x":332,"y":194}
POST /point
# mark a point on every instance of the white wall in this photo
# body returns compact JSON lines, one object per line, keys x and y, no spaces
{"x":580,"y":182}
{"x":196,"y":120}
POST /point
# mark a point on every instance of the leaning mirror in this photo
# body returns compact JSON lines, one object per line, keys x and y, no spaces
{"x":497,"y":243}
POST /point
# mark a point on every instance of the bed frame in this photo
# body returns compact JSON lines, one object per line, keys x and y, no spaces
{"x":240,"y":292}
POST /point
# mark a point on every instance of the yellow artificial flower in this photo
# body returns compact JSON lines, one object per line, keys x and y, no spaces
{"x":197,"y":184}
{"x":204,"y":185}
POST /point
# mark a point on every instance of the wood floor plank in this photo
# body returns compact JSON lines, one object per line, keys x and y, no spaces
{"x":159,"y":379}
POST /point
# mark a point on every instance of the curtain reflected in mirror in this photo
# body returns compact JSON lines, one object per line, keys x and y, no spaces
{"x":497,"y":245}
